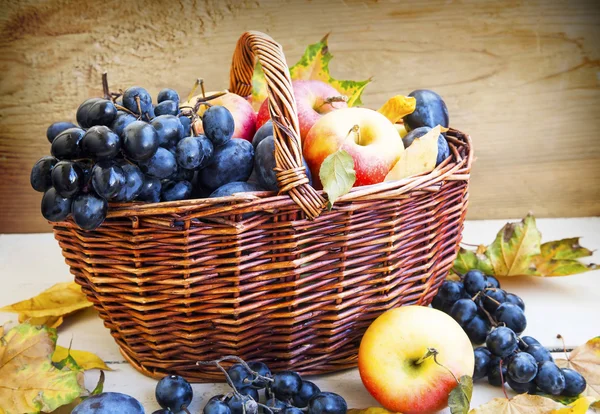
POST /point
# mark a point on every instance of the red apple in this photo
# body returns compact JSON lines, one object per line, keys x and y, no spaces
{"x":393,"y":362}
{"x":313,"y":99}
{"x":243,"y":114}
{"x":368,"y":136}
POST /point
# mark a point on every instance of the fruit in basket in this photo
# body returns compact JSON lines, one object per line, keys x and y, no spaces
{"x":89,"y":211}
{"x":170,"y":130}
{"x":235,"y":187}
{"x":56,"y":128}
{"x":218,"y":125}
{"x":161,"y":165}
{"x":54,"y":206}
{"x":96,"y":111}
{"x":140,"y":141}
{"x":443,"y":150}
{"x":66,"y":144}
{"x":151,"y":189}
{"x":167,"y":107}
{"x":398,"y":354}
{"x":174,"y":392}
{"x":175,"y":190}
{"x":264,"y":165}
{"x":134,"y":179}
{"x":243,"y":114}
{"x":419,"y":157}
{"x":40,"y":177}
{"x":100,"y":143}
{"x":136,"y":98}
{"x":108,"y":179}
{"x":230,"y":162}
{"x":67,"y":178}
{"x":314,"y":99}
{"x":194,"y":152}
{"x":430,"y":110}
{"x":262,"y":133}
{"x":109,"y":402}
{"x":368,"y":136}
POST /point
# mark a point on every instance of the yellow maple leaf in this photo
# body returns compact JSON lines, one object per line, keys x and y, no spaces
{"x":49,"y":306}
{"x":85,"y":360}
{"x":419,"y":158}
{"x":521,"y":404}
{"x":398,"y":107}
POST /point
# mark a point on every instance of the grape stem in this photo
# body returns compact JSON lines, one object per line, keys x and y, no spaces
{"x":105,"y":86}
{"x":184,"y":408}
{"x":502,"y":379}
{"x":122,"y":108}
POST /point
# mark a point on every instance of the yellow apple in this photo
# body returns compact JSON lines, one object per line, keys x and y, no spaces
{"x":369,"y":137}
{"x":393,"y":364}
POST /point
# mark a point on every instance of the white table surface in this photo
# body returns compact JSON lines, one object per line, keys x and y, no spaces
{"x":30,"y":263}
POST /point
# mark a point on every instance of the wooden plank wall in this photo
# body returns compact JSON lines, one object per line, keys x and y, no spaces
{"x":522,"y":77}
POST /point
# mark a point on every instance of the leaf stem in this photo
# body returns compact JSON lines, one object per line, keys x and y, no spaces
{"x":559,"y":336}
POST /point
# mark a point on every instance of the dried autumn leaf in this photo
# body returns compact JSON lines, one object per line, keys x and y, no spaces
{"x":337,"y":175}
{"x":29,"y":383}
{"x":49,"y":321}
{"x":370,"y":410}
{"x":459,"y":399}
{"x":398,"y":107}
{"x":559,"y":258}
{"x":585,"y":359}
{"x":419,"y":158}
{"x":469,"y":259}
{"x":85,"y":360}
{"x":580,"y":406}
{"x":59,"y":300}
{"x":521,"y":404}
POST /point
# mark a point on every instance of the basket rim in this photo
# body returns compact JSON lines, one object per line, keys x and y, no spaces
{"x":455,"y":168}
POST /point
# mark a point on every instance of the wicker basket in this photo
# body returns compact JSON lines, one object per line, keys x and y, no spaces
{"x":264,"y":276}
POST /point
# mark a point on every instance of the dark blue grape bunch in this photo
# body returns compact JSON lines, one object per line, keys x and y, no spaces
{"x":285,"y":392}
{"x":489,"y":315}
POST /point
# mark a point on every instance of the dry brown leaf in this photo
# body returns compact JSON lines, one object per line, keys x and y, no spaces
{"x":61,"y":299}
{"x":585,"y":359}
{"x":521,"y":404}
{"x":418,"y":158}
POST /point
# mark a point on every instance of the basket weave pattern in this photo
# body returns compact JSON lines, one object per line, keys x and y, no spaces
{"x":254,"y":274}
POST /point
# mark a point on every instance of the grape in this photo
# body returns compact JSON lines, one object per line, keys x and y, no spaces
{"x":327,"y":403}
{"x":140,"y":141}
{"x":67,"y":178}
{"x":56,"y":128}
{"x":492,"y":282}
{"x":160,"y":165}
{"x":502,"y":341}
{"x":230,"y":162}
{"x":249,"y":392}
{"x":550,"y":378}
{"x":109,"y":402}
{"x":439,"y":304}
{"x":512,"y":316}
{"x":121,"y":121}
{"x":286,"y":384}
{"x":239,"y":405}
{"x":264,"y":131}
{"x":240,"y":375}
{"x":493,"y":299}
{"x":66,"y":144}
{"x":54,"y":206}
{"x":166,"y":95}
{"x":482,"y":362}
{"x":89,"y":211}
{"x":216,"y":406}
{"x":474,"y":282}
{"x":477,"y":329}
{"x":194,"y":152}
{"x":108,"y":179}
{"x":575,"y":384}
{"x":187,"y":125}
{"x":182,"y":175}
{"x":292,"y":410}
{"x":174,"y":392}
{"x":540,"y":353}
{"x":275,"y":403}
{"x":234,"y":187}
{"x":167,"y":107}
{"x":96,"y":111}
{"x":218,"y":125}
{"x":515,"y":300}
{"x":414,"y":134}
{"x":308,"y":390}
{"x":261,"y":369}
{"x":463,"y":311}
{"x":175,"y":190}
{"x":169,"y":129}
{"x":443,"y":151}
{"x":129,"y":100}
{"x":163,"y":411}
{"x":528,"y":387}
{"x":134,"y":180}
{"x":451,"y":291}
{"x":493,"y":373}
{"x":526,"y":341}
{"x":100,"y":143}
{"x":522,"y":368}
{"x":151,"y":189}
{"x":41,"y":178}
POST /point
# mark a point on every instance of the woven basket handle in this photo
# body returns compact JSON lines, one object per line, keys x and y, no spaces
{"x":291,"y":174}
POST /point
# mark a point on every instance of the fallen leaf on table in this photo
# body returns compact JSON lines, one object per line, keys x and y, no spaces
{"x":518,"y":251}
{"x":580,"y":406}
{"x":419,"y":158}
{"x":50,"y":306}
{"x":370,"y":410}
{"x":29,"y":383}
{"x":85,"y":360}
{"x":459,"y":399}
{"x":585,"y":359}
{"x":337,"y":175}
{"x":521,"y":404}
{"x":313,"y":65}
{"x":398,"y":107}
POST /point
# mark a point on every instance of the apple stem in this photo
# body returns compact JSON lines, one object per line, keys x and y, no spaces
{"x":356,"y":130}
{"x":502,"y":379}
{"x":191,"y":94}
{"x":332,"y":99}
{"x":559,"y":336}
{"x":431,"y":352}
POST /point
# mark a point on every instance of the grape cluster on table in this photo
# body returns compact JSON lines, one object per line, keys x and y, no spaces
{"x":490,"y":315}
{"x":128,"y":149}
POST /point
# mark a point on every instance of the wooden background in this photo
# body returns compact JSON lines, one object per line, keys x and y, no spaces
{"x":522,"y":77}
